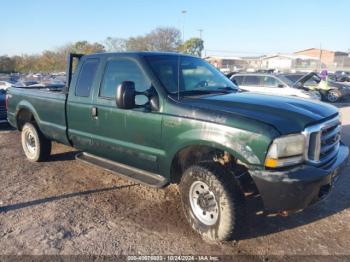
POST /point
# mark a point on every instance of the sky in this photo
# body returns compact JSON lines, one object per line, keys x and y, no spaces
{"x":230,"y":27}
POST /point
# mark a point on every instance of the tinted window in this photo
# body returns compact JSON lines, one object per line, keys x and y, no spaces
{"x":252,"y":80}
{"x":86,"y":77}
{"x":270,"y":81}
{"x":118,"y":71}
{"x":237,"y":80}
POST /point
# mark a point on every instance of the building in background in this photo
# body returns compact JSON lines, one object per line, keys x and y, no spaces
{"x":227,"y":64}
{"x":286,"y":62}
{"x":328,"y":59}
{"x":307,"y":60}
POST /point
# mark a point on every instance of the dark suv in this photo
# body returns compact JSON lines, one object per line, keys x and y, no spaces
{"x":3,"y":114}
{"x":342,"y":76}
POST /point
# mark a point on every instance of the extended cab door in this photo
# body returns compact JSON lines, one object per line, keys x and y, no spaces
{"x":81,"y":124}
{"x":133,"y":136}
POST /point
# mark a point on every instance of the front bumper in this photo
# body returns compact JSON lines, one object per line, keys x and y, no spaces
{"x":297,"y":188}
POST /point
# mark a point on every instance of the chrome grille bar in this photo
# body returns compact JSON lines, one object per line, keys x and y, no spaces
{"x":322,"y":141}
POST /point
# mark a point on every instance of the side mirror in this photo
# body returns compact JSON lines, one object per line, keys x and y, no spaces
{"x":280,"y":85}
{"x":125,"y":97}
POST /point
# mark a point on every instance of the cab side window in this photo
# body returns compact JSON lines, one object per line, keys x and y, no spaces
{"x":121,"y":70}
{"x":252,"y":81}
{"x":237,"y":80}
{"x":269,"y":81}
{"x":86,"y":77}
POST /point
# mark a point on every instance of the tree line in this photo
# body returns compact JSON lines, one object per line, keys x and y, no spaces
{"x":159,"y":39}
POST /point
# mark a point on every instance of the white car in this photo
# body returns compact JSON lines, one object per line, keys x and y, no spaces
{"x":272,"y":84}
{"x":5,"y":85}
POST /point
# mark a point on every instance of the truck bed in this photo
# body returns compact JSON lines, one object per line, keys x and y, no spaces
{"x":47,"y":107}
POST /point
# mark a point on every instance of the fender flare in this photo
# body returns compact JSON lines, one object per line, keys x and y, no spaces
{"x":25,"y":105}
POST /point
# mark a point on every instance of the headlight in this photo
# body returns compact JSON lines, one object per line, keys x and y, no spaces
{"x":286,"y":151}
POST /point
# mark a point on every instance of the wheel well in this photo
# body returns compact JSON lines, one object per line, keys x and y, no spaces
{"x":194,"y":154}
{"x":190,"y":156}
{"x":24,"y":116}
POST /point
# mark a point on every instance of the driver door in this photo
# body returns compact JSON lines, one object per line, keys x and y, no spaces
{"x":129,"y":136}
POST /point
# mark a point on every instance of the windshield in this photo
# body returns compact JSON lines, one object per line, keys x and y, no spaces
{"x":189,"y":75}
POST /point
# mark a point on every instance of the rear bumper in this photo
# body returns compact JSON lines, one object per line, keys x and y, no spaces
{"x":295,"y":189}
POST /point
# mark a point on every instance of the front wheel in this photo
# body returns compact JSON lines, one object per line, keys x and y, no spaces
{"x":333,"y":96}
{"x":212,"y":201}
{"x":35,"y":145}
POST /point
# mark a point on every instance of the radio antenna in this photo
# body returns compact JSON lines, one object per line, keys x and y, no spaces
{"x":178,"y":78}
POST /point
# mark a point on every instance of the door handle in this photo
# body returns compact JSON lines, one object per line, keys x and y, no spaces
{"x":94,"y":112}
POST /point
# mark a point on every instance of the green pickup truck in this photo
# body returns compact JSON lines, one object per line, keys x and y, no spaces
{"x":161,"y":118}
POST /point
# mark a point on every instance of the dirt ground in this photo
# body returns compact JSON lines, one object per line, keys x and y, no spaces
{"x":65,"y":207}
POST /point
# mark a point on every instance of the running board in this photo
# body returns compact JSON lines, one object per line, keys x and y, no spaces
{"x":132,"y":173}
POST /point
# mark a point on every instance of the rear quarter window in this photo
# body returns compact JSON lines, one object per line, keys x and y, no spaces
{"x":252,"y":81}
{"x":237,"y":80}
{"x":86,"y":77}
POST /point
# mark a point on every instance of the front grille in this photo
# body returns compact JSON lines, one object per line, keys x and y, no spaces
{"x":323,"y":141}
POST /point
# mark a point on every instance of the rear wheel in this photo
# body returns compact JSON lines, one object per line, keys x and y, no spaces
{"x":333,"y":96}
{"x":212,"y":201}
{"x":35,"y":145}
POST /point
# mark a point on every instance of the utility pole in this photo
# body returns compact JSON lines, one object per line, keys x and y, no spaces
{"x":320,"y":57}
{"x":183,"y":12}
{"x":200,"y":33}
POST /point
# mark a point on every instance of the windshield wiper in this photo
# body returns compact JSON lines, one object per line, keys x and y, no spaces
{"x":227,"y":88}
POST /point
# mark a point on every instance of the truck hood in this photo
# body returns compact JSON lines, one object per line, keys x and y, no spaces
{"x":286,"y":114}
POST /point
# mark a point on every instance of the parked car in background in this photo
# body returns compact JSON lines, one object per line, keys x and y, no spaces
{"x":5,"y":85}
{"x":332,"y":77}
{"x":3,"y":111}
{"x":271,"y":84}
{"x":25,"y":83}
{"x":330,"y":91}
{"x":342,"y":76}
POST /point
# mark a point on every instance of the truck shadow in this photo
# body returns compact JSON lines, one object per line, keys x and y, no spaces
{"x":337,"y":201}
{"x":60,"y":197}
{"x":5,"y":127}
{"x":66,"y":156}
